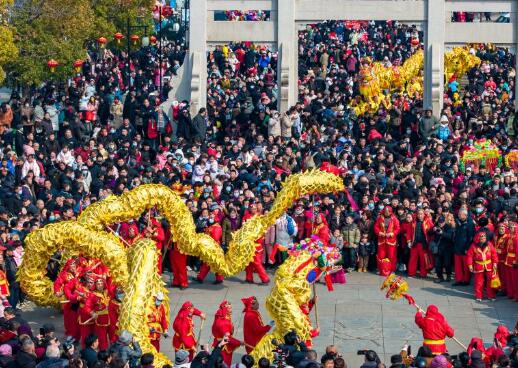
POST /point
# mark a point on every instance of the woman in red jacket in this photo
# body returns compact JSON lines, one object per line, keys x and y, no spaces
{"x":386,"y":229}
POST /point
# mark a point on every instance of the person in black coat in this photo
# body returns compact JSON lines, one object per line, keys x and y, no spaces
{"x":199,"y":126}
{"x":464,"y":233}
{"x":26,"y":357}
{"x":89,"y":353}
{"x":445,"y":235}
{"x":10,"y":269}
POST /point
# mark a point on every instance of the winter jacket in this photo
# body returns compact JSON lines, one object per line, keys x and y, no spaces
{"x":464,"y":233}
{"x":351,"y":235}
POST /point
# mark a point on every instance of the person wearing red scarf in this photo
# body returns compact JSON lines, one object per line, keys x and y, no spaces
{"x":482,"y":261}
{"x":386,"y":229}
{"x":419,"y":239}
{"x":223,"y":327}
{"x":183,"y":327}
{"x":435,"y":329}
{"x":253,"y":327}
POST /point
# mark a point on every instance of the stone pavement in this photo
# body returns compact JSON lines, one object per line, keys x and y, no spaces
{"x":354,"y":316}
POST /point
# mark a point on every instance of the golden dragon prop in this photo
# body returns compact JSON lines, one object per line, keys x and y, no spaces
{"x":135,"y":269}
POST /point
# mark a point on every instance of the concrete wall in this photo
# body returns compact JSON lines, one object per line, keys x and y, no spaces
{"x":289,"y":15}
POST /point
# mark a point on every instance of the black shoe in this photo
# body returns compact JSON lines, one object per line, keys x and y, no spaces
{"x":197,"y":280}
{"x":265,"y":283}
{"x":457,"y":284}
{"x":465,"y":283}
{"x":183,"y":287}
{"x":441,"y":280}
{"x":217,"y":282}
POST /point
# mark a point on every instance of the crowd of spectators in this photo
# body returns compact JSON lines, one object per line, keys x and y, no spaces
{"x":68,"y":145}
{"x":242,"y":15}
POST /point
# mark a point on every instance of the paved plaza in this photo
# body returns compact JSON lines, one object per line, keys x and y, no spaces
{"x":354,"y":316}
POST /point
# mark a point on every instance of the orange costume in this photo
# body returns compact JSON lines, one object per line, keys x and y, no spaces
{"x":157,"y":322}
{"x":387,"y":230}
{"x":98,"y":302}
{"x":435,"y":329}
{"x":482,"y":260}
{"x":183,"y":326}
{"x":222,"y":327}
{"x":253,"y":327}
{"x":216,"y":232}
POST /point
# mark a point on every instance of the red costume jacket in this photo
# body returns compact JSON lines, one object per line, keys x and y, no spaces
{"x":98,"y":302}
{"x":215,"y":231}
{"x":322,"y":231}
{"x":501,"y":246}
{"x":158,"y":321}
{"x":435,"y":329}
{"x":253,"y":327}
{"x":426,"y":226}
{"x":387,"y":235}
{"x":73,"y":291}
{"x":482,"y":259}
{"x":512,"y":250}
{"x":183,"y":327}
{"x":223,"y":325}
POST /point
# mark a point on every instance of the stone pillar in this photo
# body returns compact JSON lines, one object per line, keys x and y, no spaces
{"x":435,"y":32}
{"x":196,"y":70}
{"x":287,"y":68}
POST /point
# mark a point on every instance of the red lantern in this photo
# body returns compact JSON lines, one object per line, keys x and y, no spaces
{"x":102,"y":42}
{"x":153,"y":40}
{"x":134,"y":39}
{"x":118,"y":37}
{"x":78,"y":65}
{"x":52,"y":64}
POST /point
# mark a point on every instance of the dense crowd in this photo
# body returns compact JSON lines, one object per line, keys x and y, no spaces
{"x":410,"y":206}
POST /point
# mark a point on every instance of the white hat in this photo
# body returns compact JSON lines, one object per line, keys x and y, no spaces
{"x":444,"y":119}
{"x":159,"y":296}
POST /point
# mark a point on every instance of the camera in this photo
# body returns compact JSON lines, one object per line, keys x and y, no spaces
{"x":362,"y":352}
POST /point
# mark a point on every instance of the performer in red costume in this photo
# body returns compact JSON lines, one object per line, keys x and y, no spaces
{"x":482,"y":261}
{"x":78,"y":293}
{"x":386,"y":229}
{"x":435,"y":329}
{"x":155,"y":231}
{"x":178,"y":262}
{"x":97,"y":305}
{"x":216,"y":232}
{"x":502,"y":237}
{"x":306,"y":309}
{"x":129,"y":231}
{"x":257,"y":263}
{"x":494,"y":352}
{"x":114,"y":311}
{"x":183,"y":326}
{"x":69,"y":272}
{"x":253,"y":327}
{"x":419,"y":239}
{"x":321,"y":229}
{"x":223,"y":327}
{"x":157,"y":321}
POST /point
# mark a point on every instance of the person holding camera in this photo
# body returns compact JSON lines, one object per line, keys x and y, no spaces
{"x":127,"y":349}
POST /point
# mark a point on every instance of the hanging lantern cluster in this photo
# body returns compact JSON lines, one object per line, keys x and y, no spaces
{"x":52,"y":64}
{"x":78,"y":64}
{"x":102,"y":42}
